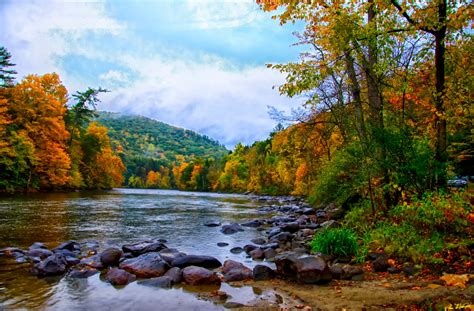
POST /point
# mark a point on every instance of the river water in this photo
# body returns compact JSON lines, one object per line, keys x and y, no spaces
{"x":114,"y":218}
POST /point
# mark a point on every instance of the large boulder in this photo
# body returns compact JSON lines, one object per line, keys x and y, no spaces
{"x":261,"y":273}
{"x":147,"y":265}
{"x":193,"y":275}
{"x":196,"y":260}
{"x":110,"y":257}
{"x":55,"y":264}
{"x":304,"y":269}
{"x":231,"y":228}
{"x":235,"y":271}
{"x":119,"y":277}
{"x":144,"y":247}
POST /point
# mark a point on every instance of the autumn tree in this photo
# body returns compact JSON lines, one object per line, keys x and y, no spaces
{"x":37,"y":109}
{"x":100,"y":167}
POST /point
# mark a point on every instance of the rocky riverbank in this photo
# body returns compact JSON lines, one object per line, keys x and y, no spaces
{"x":282,"y":257}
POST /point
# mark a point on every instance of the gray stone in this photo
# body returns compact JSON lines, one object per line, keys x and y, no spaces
{"x":55,"y":264}
{"x":193,"y":275}
{"x":235,"y":271}
{"x":144,"y":247}
{"x":262,"y":272}
{"x":110,"y":257}
{"x":236,"y":250}
{"x":170,"y":254}
{"x":196,"y":260}
{"x":212,"y":224}
{"x":175,"y":274}
{"x":258,"y":241}
{"x":119,"y":277}
{"x":147,"y":265}
{"x":304,"y":269}
{"x":256,"y":254}
{"x":231,"y":228}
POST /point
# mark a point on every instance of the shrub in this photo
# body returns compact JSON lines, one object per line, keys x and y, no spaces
{"x":417,"y":229}
{"x":335,"y":242}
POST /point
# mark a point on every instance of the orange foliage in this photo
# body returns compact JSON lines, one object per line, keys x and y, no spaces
{"x":38,"y":107}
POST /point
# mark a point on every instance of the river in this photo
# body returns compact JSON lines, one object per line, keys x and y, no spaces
{"x":114,"y":218}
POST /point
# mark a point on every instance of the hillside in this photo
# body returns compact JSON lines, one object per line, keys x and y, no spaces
{"x":146,"y":144}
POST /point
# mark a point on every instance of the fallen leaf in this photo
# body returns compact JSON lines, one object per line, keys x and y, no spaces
{"x":433,"y":286}
{"x":455,"y":279}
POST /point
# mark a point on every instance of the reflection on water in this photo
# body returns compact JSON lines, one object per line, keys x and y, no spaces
{"x":114,"y":218}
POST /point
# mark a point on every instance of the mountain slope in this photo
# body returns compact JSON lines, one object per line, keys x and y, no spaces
{"x":146,"y":144}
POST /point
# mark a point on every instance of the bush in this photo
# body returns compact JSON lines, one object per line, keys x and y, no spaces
{"x":335,"y":242}
{"x":418,"y":230}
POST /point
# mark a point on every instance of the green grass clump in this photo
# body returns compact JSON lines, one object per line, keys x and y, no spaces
{"x":335,"y":242}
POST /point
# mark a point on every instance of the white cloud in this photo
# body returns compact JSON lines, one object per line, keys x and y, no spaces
{"x":225,"y":103}
{"x":38,"y":33}
{"x":114,"y":77}
{"x":209,"y":14}
{"x":190,"y":89}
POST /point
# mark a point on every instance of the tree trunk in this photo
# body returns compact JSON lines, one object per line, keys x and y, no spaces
{"x":440,"y":118}
{"x":355,"y":91}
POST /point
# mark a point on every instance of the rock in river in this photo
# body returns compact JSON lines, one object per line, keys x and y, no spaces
{"x":170,"y":254}
{"x":193,"y":275}
{"x":213,"y":223}
{"x":119,"y":277}
{"x":144,"y":247}
{"x":235,"y":271}
{"x":175,"y":274}
{"x":110,"y":257}
{"x":231,"y":228}
{"x":55,"y":264}
{"x":147,"y":265}
{"x":196,"y":260}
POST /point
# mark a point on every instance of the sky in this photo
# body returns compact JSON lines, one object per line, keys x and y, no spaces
{"x":196,"y":64}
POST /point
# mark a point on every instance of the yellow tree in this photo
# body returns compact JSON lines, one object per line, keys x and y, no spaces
{"x":100,"y":167}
